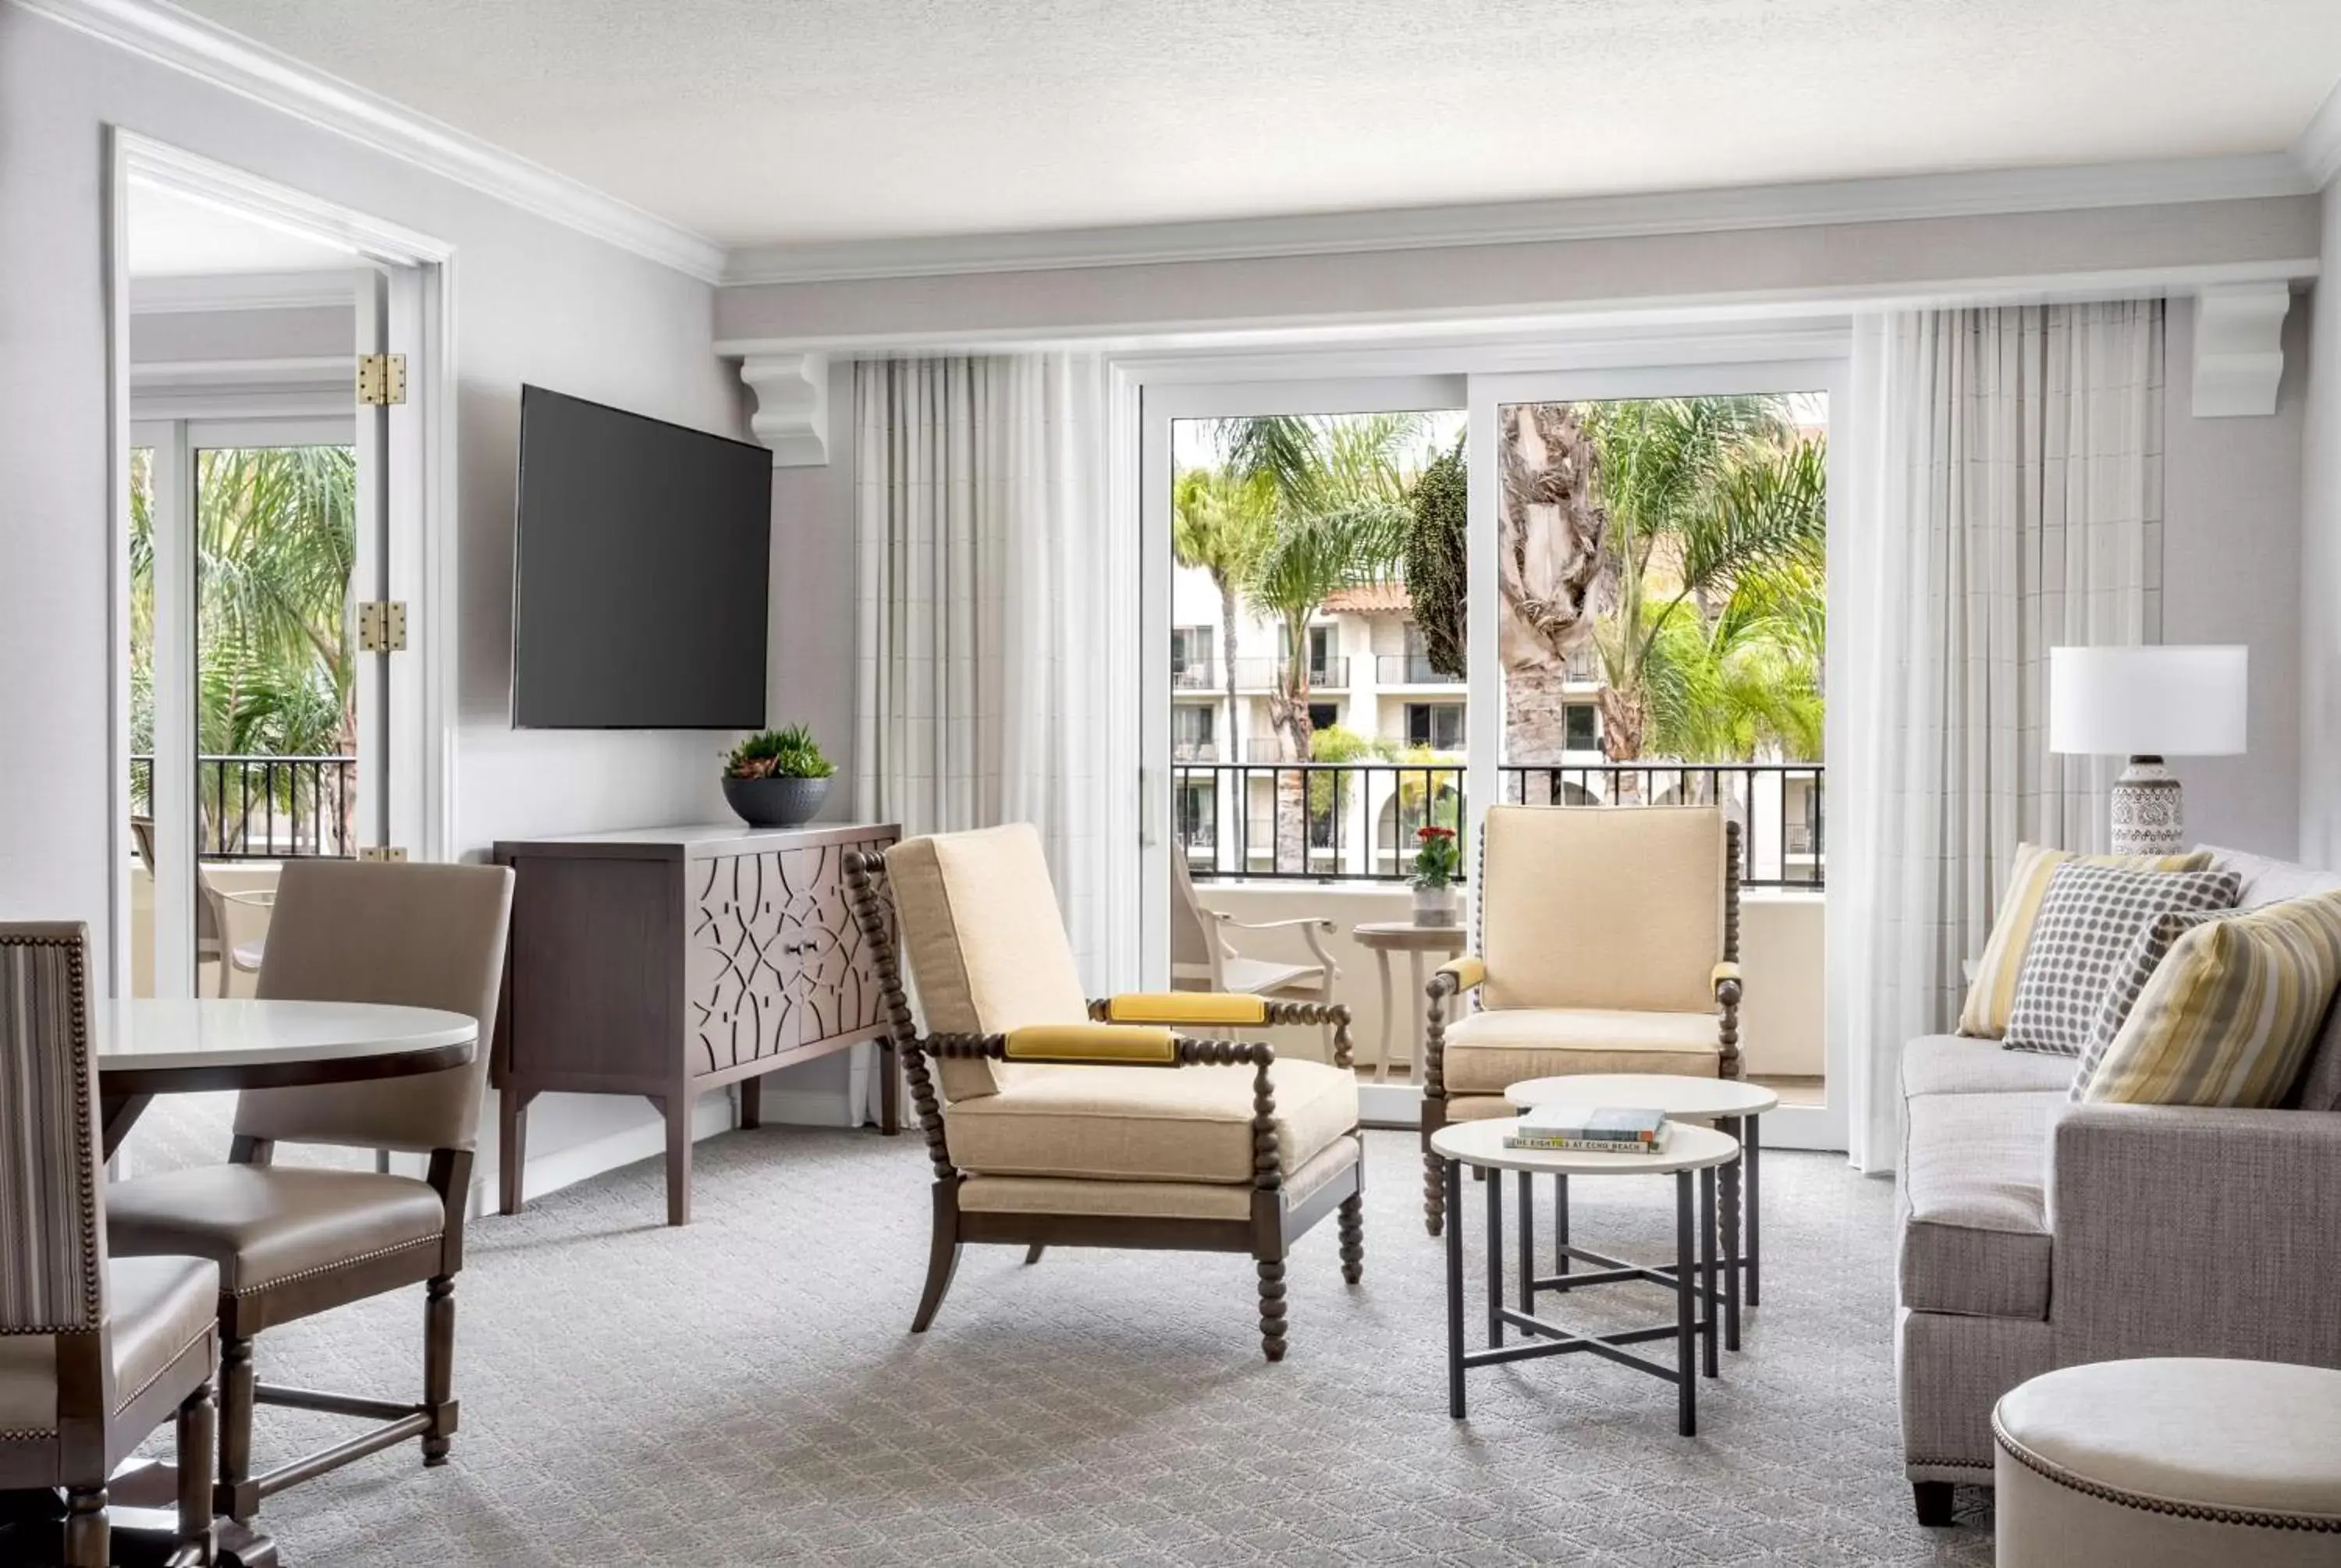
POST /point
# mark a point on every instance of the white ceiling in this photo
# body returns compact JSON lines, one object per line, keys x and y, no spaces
{"x":763,"y":121}
{"x":173,"y":236}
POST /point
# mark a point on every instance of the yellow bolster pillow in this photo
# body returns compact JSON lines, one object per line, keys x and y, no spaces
{"x":1468,"y":972}
{"x":1092,"y":1043}
{"x":1186,"y":1007}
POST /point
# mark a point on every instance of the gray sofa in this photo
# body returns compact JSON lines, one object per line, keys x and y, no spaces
{"x":2039,"y":1234}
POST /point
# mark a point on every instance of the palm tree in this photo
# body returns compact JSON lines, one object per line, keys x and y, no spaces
{"x":1221,"y":524}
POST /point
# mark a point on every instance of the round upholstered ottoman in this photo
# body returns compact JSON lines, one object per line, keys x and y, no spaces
{"x":2165,"y":1464}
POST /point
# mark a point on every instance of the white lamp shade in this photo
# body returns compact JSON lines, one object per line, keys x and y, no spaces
{"x":2147,"y":702}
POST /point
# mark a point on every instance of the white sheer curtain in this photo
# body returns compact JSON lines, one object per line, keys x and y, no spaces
{"x":2007,"y":499}
{"x":987,"y":620}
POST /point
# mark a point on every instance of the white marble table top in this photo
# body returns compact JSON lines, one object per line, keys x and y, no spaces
{"x":148,"y":1036}
{"x":1481,"y":1143}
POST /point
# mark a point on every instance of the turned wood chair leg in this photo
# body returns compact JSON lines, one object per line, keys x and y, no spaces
{"x":1434,"y":1193}
{"x":196,"y":1439}
{"x":89,"y":1542}
{"x":1033,"y":1254}
{"x":1271,"y":1307}
{"x":235,"y":1496}
{"x":438,"y":1367}
{"x":1353,"y":1238}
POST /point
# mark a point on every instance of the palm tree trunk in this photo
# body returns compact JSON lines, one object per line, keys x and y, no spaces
{"x":1228,"y":656}
{"x":1622,"y":739}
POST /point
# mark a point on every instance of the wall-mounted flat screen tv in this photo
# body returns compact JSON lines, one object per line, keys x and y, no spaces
{"x":641,"y":583}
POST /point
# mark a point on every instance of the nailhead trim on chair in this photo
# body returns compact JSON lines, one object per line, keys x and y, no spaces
{"x":1946,"y":1464}
{"x":121,"y":1402}
{"x":2049,"y":1469}
{"x":27,"y":1436}
{"x":340,"y":1262}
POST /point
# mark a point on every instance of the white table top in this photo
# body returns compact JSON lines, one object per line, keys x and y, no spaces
{"x":1689,"y":1148}
{"x":1674,"y":1095}
{"x":211,"y":1032}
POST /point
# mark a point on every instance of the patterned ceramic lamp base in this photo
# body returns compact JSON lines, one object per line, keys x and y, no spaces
{"x":2149,"y":817}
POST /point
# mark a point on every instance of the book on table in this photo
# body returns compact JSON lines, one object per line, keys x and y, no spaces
{"x":1601,"y":1128}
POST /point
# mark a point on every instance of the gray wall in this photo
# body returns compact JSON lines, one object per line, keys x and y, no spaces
{"x":307,"y":331}
{"x":2320,"y":577}
{"x":2230,"y":559}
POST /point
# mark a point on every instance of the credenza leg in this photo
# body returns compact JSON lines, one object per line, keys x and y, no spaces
{"x":751,"y":1103}
{"x":889,"y":1089}
{"x":678,"y":1158}
{"x":511,"y":1153}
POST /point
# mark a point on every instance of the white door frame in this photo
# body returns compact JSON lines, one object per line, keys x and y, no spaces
{"x":421,"y":474}
{"x":1793,"y":1126}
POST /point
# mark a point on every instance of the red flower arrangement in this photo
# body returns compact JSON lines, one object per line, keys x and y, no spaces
{"x":1438,"y":860}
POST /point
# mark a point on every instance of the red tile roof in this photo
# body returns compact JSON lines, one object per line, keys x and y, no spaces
{"x":1375,"y":599}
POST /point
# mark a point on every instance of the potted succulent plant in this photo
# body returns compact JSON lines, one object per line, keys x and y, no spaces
{"x":778,"y":779}
{"x":1437,"y":863}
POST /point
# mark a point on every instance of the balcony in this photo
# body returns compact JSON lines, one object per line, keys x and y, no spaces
{"x":1194,"y":751}
{"x":1261,"y":674}
{"x":1411,"y":669}
{"x":1195,"y":675}
{"x":257,"y":808}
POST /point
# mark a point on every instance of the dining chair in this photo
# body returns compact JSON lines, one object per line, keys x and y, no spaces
{"x":95,"y":1354}
{"x":1608,"y":942}
{"x":1053,"y":1120}
{"x":292,"y":1241}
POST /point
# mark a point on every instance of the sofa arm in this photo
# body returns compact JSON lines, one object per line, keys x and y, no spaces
{"x":2183,"y":1231}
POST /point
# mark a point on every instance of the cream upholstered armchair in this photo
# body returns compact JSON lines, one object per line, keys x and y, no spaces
{"x":1608,"y":942}
{"x":1052,"y":1120}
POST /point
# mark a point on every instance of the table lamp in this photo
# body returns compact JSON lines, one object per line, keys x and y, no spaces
{"x":2146,"y":703}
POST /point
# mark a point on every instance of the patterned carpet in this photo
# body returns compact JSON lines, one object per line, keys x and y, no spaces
{"x":743,"y":1392}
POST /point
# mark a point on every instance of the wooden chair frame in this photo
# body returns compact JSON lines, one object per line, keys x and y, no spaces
{"x":1267,"y":1235}
{"x":1453,"y":980}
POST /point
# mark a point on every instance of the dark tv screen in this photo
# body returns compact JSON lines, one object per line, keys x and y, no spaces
{"x":641,"y":588}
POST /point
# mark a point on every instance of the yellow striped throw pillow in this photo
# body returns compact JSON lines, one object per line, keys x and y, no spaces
{"x":1992,"y":993}
{"x":2231,"y":1012}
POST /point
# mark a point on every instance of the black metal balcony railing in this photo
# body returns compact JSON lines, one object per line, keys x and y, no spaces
{"x":253,"y":808}
{"x":1409,"y":669}
{"x":1322,"y":821}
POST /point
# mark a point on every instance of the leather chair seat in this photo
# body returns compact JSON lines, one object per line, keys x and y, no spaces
{"x":158,"y":1306}
{"x":264,"y":1225}
{"x":1487,"y":1052}
{"x":2156,"y":1463}
{"x":1147,"y":1123}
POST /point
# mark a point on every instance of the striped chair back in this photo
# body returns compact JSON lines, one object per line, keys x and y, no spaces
{"x":52,"y":1239}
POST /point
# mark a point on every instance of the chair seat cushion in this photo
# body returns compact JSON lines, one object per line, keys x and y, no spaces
{"x":1960,"y":1065}
{"x":1148,"y":1199}
{"x":1975,"y":1235}
{"x":266,"y":1224}
{"x":2185,"y":1435}
{"x":1147,"y":1123}
{"x":158,"y":1306}
{"x":1487,"y":1053}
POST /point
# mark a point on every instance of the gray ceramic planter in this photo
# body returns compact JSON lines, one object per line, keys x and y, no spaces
{"x":775,"y":802}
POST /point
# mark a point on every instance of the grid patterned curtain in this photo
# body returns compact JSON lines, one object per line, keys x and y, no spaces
{"x":2008,"y":501}
{"x":990,"y":624}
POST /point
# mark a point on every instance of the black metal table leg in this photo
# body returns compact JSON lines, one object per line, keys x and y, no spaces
{"x":1686,"y":1287}
{"x":1706,"y":1271}
{"x":1455,"y":1289}
{"x":1733,"y":1246}
{"x":1526,"y":1224}
{"x":1749,"y":1147}
{"x":1495,"y":1257}
{"x":1560,"y":1222}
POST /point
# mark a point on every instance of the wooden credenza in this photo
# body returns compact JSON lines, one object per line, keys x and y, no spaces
{"x":668,"y":961}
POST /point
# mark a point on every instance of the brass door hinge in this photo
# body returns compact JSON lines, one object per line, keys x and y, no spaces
{"x":386,"y":853}
{"x":381,"y":379}
{"x":382,"y":626}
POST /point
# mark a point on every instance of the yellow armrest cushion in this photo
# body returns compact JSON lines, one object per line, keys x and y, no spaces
{"x":1211,"y":1007}
{"x":1468,"y":971}
{"x":1092,"y":1043}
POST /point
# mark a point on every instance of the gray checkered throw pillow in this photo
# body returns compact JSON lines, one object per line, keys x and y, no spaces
{"x":2153,"y":939}
{"x":2090,"y":921}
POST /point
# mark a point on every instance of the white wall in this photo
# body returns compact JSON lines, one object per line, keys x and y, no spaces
{"x":2320,"y":576}
{"x":534,"y":302}
{"x":2230,"y":552}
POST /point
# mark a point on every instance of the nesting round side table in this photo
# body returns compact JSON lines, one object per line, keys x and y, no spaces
{"x":1690,"y":1151}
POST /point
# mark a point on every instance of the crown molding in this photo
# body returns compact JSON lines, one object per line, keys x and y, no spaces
{"x":180,"y":295}
{"x":2317,"y":149}
{"x":185,"y":42}
{"x":1893,"y":199}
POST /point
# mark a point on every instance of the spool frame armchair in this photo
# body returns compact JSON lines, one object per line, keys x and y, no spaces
{"x":1132,"y":1031}
{"x":1461,"y":976}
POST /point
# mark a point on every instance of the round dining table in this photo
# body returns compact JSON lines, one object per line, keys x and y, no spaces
{"x":149,"y":1047}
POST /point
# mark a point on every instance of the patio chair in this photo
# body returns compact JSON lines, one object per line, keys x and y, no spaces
{"x":1052,"y":1120}
{"x":93,"y":1353}
{"x":1203,"y":959}
{"x":1608,"y":942}
{"x":212,"y":946}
